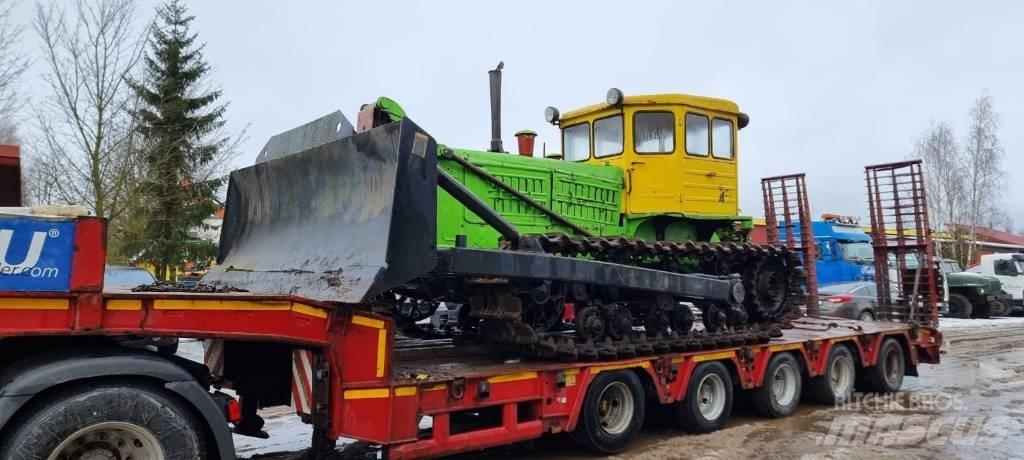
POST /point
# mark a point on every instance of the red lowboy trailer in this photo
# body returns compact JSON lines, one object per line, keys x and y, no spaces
{"x":64,"y":372}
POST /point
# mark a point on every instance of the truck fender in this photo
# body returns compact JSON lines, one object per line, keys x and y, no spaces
{"x":22,"y":380}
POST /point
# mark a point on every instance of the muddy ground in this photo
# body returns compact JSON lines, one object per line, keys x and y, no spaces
{"x":970,"y":406}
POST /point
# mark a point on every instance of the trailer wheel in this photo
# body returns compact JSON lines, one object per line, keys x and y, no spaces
{"x":886,"y":376}
{"x":959,"y":306}
{"x":708,"y":402}
{"x":779,"y":396}
{"x":106,"y":420}
{"x":612,"y":412}
{"x":836,"y":385}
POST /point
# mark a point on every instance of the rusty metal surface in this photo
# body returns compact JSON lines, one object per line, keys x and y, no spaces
{"x":786,"y":205}
{"x":898,"y":206}
{"x":199,"y":288}
{"x":341,"y":221}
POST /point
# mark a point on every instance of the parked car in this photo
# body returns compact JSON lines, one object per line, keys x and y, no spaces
{"x":973,"y":295}
{"x":124,"y":278}
{"x":855,"y":300}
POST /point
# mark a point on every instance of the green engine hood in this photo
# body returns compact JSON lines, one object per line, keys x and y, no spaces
{"x":968,"y":279}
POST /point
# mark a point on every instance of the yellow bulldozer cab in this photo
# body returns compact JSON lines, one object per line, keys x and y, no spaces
{"x":678,"y":151}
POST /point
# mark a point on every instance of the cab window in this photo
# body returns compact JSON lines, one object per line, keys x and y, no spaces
{"x":654,"y":132}
{"x":696,"y":135}
{"x":608,"y":136}
{"x":576,"y":142}
{"x":721,"y":139}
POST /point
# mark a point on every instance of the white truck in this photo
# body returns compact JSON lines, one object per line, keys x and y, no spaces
{"x":1009,"y":268}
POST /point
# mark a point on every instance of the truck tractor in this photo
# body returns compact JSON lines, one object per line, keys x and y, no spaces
{"x":844,"y":250}
{"x":973,"y":295}
{"x":1009,"y":270}
{"x":646,"y":187}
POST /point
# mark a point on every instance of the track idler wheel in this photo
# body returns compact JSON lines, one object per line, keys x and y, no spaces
{"x":767,"y":290}
{"x":590,"y":324}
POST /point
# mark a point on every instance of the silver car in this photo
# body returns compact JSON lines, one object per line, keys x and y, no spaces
{"x":855,"y":300}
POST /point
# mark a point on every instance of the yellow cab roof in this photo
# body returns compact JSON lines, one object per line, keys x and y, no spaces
{"x":712,"y":103}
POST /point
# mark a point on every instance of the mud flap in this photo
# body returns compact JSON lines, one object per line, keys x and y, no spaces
{"x":341,"y":221}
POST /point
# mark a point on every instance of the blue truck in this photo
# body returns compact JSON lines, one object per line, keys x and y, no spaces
{"x":844,"y":250}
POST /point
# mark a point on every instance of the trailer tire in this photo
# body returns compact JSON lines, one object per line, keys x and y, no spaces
{"x":612,"y":413}
{"x":886,"y":376}
{"x":779,"y":395}
{"x":836,"y":385}
{"x":708,"y":401}
{"x":959,"y":306}
{"x":112,"y":419}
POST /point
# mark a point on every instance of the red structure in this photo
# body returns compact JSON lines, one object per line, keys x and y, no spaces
{"x":904,"y":261}
{"x":346,"y":373}
{"x":786,"y":205}
{"x":10,"y":175}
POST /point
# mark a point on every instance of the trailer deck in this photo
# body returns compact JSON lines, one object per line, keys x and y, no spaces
{"x":346,"y":364}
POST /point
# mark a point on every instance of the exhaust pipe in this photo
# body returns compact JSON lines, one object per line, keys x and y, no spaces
{"x":495,"y":76}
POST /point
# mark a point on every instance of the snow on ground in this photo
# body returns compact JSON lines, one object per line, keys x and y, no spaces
{"x":956,"y":324}
{"x":287,"y":432}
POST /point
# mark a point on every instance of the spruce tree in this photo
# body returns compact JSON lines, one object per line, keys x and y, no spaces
{"x":178,"y":120}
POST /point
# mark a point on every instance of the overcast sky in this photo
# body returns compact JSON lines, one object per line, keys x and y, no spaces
{"x":829,"y":87}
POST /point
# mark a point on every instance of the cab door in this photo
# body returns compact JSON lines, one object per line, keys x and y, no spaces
{"x":652,"y":179}
{"x":709,"y":185}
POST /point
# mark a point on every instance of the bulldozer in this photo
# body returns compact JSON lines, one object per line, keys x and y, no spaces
{"x":634,"y":223}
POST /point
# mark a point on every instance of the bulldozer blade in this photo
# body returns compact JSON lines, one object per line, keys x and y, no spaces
{"x":327,"y":128}
{"x":341,"y":221}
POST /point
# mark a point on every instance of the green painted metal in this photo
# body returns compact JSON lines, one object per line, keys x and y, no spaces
{"x":387,"y":105}
{"x":588,"y":195}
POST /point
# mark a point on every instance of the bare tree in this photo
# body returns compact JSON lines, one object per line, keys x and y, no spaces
{"x":983,"y":164}
{"x":84,"y":149}
{"x":945,"y":181}
{"x":13,"y":64}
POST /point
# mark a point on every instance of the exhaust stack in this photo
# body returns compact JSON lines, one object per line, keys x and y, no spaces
{"x":495,"y":77}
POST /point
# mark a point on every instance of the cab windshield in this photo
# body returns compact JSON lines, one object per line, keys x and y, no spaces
{"x":859,"y":251}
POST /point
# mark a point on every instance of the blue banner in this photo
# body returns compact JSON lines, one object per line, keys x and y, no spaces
{"x":35,"y":254}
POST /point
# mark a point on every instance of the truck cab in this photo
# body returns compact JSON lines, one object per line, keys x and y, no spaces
{"x":678,"y":151}
{"x":844,"y":250}
{"x":984,"y":293}
{"x":1009,"y":269}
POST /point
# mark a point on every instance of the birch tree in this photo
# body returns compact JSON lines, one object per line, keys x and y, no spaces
{"x":945,"y":181}
{"x":983,"y":158}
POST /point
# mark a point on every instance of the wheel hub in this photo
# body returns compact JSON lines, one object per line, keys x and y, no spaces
{"x":615,"y":408}
{"x":109,"y":441}
{"x":711,"y":396}
{"x":784,"y":384}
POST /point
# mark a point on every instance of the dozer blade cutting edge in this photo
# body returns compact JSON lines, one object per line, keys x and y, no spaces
{"x":343,"y":220}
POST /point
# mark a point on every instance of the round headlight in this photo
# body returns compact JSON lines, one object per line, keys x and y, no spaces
{"x":551,"y":115}
{"x":614,"y":97}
